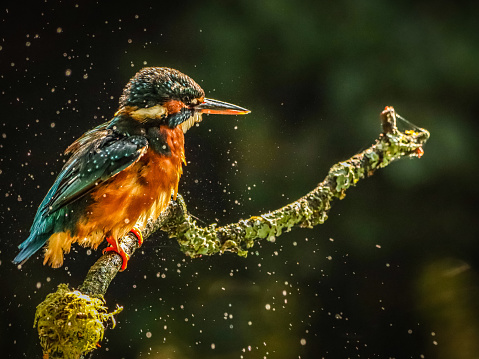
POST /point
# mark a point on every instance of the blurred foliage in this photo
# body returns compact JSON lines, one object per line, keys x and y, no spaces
{"x":371,"y":282}
{"x":448,"y":293}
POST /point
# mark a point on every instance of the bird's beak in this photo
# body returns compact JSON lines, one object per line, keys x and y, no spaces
{"x":220,"y":108}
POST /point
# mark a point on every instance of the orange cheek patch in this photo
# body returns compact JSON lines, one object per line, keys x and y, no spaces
{"x":174,"y":106}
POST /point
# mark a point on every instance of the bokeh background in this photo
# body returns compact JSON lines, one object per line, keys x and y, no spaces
{"x":393,"y":273}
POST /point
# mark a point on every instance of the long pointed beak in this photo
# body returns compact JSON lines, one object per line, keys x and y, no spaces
{"x":220,"y":108}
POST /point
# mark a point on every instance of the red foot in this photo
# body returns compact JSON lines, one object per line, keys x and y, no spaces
{"x":117,"y":249}
{"x":138,"y":235}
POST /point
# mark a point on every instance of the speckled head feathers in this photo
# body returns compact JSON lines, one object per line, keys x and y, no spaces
{"x":155,"y":85}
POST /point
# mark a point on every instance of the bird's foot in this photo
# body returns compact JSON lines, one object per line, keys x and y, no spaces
{"x":115,"y":247}
{"x":136,"y":231}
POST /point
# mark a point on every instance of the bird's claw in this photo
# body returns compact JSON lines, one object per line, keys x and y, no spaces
{"x":138,"y":235}
{"x":115,"y":247}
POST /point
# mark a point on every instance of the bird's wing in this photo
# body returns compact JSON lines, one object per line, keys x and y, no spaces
{"x":93,"y":162}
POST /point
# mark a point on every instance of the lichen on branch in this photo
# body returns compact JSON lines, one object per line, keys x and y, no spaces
{"x":70,"y":323}
{"x":309,"y":210}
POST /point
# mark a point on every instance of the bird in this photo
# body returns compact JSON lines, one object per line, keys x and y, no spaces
{"x":124,"y":171}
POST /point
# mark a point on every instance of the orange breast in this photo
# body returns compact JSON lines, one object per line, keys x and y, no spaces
{"x":137,"y":193}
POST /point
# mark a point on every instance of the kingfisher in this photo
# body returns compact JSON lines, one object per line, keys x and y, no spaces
{"x":124,"y":171}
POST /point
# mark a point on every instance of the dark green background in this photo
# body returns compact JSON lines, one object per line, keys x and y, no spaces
{"x":393,"y":273}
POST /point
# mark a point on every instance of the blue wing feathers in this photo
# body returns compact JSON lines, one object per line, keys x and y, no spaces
{"x":96,"y":157}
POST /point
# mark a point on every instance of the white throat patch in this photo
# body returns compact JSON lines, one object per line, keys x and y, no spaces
{"x":186,"y":125}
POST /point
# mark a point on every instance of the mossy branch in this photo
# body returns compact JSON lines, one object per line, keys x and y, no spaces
{"x":308,"y":211}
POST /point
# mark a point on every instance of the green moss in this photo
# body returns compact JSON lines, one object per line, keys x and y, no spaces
{"x":70,"y":323}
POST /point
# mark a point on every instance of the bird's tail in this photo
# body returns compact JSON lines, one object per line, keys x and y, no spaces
{"x":30,"y":246}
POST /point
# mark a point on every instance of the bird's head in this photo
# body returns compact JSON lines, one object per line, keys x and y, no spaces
{"x":164,"y":95}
